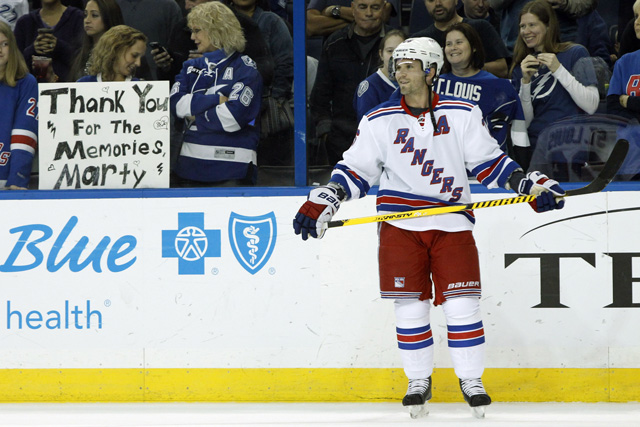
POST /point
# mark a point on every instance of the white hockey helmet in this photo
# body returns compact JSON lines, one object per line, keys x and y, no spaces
{"x":423,"y":49}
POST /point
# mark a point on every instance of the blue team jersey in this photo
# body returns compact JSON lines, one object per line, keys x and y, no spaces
{"x":372,"y":91}
{"x":626,"y":75}
{"x":551,"y":101}
{"x":221,"y":138}
{"x":18,"y":131}
{"x":497,"y":99}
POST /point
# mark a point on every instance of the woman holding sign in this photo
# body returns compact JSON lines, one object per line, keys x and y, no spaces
{"x":116,"y":55}
{"x":219,"y":96}
{"x":18,"y":125}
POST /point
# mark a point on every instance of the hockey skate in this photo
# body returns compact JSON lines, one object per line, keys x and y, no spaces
{"x":475,"y":395}
{"x":418,"y":395}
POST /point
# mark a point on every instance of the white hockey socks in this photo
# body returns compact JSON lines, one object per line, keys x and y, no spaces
{"x":466,"y":336}
{"x":415,"y":340}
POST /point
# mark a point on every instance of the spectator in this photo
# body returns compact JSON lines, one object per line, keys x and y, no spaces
{"x":116,"y":55}
{"x":463,"y":77}
{"x":276,"y":144}
{"x":52,"y":31}
{"x":540,"y":62}
{"x":18,"y":124}
{"x":510,"y":11}
{"x":324,"y":17}
{"x":99,"y":17}
{"x":623,"y":98}
{"x":479,"y":9}
{"x":181,"y":48}
{"x":78,"y":4}
{"x":11,"y":10}
{"x":444,"y":15}
{"x":155,"y":18}
{"x":219,"y":97}
{"x":349,"y":56}
{"x":276,"y":34}
{"x":628,"y":40}
{"x":379,"y":86}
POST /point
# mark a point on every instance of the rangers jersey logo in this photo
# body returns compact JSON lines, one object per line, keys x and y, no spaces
{"x":252,"y":239}
{"x":398,"y":282}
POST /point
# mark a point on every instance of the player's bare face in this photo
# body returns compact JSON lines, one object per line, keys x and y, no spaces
{"x":533,"y":31}
{"x":126,"y":65}
{"x":410,"y":77}
{"x":4,"y":52}
{"x":368,"y":14}
{"x":458,"y":50}
{"x":441,"y":10}
{"x":387,"y":51}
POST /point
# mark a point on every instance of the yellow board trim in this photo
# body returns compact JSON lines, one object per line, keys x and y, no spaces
{"x":307,"y":385}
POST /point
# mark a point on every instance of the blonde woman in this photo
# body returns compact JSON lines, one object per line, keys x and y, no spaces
{"x":219,"y":96}
{"x":18,"y":125}
{"x":117,"y":55}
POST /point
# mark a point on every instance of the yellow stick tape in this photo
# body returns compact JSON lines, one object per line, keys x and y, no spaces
{"x":307,"y":385}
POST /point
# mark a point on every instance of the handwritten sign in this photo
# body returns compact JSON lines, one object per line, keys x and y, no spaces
{"x":104,"y":135}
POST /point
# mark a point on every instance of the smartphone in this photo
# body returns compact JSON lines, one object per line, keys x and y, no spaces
{"x":45,"y":30}
{"x":156,"y":45}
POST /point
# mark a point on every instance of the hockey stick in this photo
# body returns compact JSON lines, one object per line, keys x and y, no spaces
{"x":605,"y":176}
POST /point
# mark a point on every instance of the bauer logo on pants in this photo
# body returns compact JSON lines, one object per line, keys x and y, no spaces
{"x":252,"y":239}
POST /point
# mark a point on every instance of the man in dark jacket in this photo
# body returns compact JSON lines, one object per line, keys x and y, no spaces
{"x":348,"y":56}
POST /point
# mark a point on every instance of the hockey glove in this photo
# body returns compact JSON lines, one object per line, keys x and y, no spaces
{"x":322,"y":203}
{"x":548,"y":191}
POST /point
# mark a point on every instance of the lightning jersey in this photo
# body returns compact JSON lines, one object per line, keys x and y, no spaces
{"x":551,"y":101}
{"x":498,"y":100}
{"x":18,"y":131}
{"x":221,"y":142}
{"x":372,"y":91}
{"x":419,"y":166}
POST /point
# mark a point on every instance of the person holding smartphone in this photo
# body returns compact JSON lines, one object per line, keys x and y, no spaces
{"x":51,"y":31}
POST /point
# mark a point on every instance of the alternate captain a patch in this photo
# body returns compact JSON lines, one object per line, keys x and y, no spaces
{"x":398,"y":282}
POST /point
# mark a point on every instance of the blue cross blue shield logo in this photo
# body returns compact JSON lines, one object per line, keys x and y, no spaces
{"x":191,"y":243}
{"x":253,"y":239}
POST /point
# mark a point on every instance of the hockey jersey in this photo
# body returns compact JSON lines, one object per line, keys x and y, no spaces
{"x":551,"y":101}
{"x":419,"y":166}
{"x":372,"y":91}
{"x":221,"y":142}
{"x":497,"y":99}
{"x":18,"y":131}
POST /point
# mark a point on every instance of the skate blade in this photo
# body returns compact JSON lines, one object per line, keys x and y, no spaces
{"x":418,"y":411}
{"x":478,"y":411}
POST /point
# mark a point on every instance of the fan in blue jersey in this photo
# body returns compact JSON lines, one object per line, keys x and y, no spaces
{"x":219,"y":96}
{"x":378,"y":87}
{"x":116,"y":56}
{"x":18,"y":120}
{"x":464,"y":78}
{"x":555,"y":80}
{"x":623,"y":99}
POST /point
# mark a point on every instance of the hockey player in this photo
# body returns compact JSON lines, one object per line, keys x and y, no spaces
{"x":420,"y":148}
{"x":18,"y":124}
